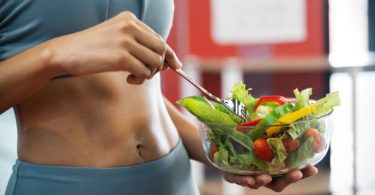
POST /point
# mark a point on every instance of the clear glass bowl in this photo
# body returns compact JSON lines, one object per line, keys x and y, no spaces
{"x":215,"y":138}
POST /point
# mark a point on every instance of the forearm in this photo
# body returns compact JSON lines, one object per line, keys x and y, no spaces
{"x":25,"y":73}
{"x":188,"y":132}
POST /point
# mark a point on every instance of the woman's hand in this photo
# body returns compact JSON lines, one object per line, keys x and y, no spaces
{"x":276,"y":184}
{"x":122,"y":43}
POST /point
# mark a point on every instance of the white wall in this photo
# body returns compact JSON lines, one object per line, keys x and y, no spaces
{"x":8,"y":147}
{"x":342,"y":171}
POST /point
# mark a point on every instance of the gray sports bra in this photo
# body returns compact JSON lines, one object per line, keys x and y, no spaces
{"x":26,"y":23}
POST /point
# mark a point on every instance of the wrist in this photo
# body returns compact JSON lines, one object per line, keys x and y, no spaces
{"x":49,"y":55}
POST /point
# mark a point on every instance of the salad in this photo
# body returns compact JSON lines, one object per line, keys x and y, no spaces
{"x":279,"y":134}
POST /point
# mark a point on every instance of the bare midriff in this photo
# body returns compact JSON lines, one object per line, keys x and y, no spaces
{"x":95,"y":121}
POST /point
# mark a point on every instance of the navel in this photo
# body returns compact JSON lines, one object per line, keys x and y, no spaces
{"x":139,"y":150}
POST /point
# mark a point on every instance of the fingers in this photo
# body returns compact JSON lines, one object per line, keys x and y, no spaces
{"x":148,"y":57}
{"x":263,"y":179}
{"x":155,"y":42}
{"x":280,"y":183}
{"x":277,"y":184}
{"x":138,"y":71}
{"x":249,"y":181}
{"x":131,"y":25}
{"x":150,"y":39}
{"x":240,"y":180}
{"x":171,"y":58}
{"x":154,"y":61}
{"x":145,"y":45}
{"x":309,"y":171}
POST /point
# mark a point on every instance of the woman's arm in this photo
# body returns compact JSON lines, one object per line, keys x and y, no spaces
{"x":122,"y":43}
{"x":22,"y":75}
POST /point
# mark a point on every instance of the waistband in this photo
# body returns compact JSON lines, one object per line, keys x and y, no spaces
{"x":31,"y":169}
{"x":170,"y":174}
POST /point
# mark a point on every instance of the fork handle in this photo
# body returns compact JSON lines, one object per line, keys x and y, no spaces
{"x":195,"y":84}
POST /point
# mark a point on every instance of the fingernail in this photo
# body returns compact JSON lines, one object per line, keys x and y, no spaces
{"x":179,"y":63}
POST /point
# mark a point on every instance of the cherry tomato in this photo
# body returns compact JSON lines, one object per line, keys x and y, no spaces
{"x":320,"y":147}
{"x":290,"y":144}
{"x":214,"y":148}
{"x":319,"y":141}
{"x":263,"y":150}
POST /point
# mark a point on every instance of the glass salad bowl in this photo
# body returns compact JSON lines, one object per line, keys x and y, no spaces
{"x":274,"y":149}
{"x":279,"y":134}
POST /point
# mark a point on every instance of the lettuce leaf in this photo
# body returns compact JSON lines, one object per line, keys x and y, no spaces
{"x":325,"y":105}
{"x":296,"y":129}
{"x":261,"y":112}
{"x":222,"y":157}
{"x":242,"y":139}
{"x":216,"y":106}
{"x":242,"y":94}
{"x":263,"y":166}
{"x":224,"y":109}
{"x":303,"y":153}
{"x":302,"y":98}
{"x":250,"y":158}
{"x":198,"y":98}
{"x":277,"y":146}
{"x":205,"y":111}
{"x":246,"y":159}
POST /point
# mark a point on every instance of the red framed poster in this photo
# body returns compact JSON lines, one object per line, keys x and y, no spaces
{"x":202,"y":44}
{"x":191,"y":35}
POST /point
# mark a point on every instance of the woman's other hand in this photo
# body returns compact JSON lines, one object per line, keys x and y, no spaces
{"x":276,"y":184}
{"x":122,"y":43}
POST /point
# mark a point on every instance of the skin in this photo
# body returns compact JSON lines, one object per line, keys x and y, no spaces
{"x":111,"y":112}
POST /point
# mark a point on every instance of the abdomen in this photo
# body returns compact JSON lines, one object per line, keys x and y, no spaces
{"x":81,"y":120}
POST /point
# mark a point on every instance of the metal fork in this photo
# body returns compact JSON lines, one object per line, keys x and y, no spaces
{"x":234,"y":105}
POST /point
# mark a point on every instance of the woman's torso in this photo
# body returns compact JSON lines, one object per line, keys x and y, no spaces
{"x":97,"y":120}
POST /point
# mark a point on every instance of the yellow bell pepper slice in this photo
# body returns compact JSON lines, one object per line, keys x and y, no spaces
{"x":289,"y":118}
{"x":273,"y":130}
{"x":293,"y":116}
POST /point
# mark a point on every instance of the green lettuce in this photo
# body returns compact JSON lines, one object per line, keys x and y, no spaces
{"x":242,"y":94}
{"x":224,"y":109}
{"x":297,"y":129}
{"x":262,"y":165}
{"x":199,"y":98}
{"x":302,"y":98}
{"x":205,"y":111}
{"x":246,"y":158}
{"x":261,"y":112}
{"x":303,"y":153}
{"x":325,"y":105}
{"x":250,"y":158}
{"x":277,"y":146}
{"x":221,"y":157}
{"x":216,"y":106}
{"x":242,"y":139}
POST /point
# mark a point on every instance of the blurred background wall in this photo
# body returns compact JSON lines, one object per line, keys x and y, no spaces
{"x":333,"y":54}
{"x":274,"y":47}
